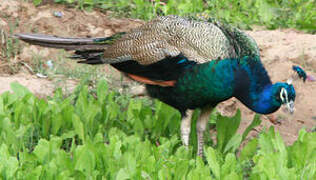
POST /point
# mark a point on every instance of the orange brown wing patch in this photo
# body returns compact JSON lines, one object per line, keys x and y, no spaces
{"x":152,"y":82}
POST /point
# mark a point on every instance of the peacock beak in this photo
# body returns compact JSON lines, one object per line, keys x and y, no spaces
{"x":290,"y":106}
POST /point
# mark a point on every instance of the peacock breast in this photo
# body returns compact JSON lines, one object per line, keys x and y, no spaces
{"x":204,"y":84}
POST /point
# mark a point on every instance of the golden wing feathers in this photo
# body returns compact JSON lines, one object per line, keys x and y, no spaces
{"x":168,"y":36}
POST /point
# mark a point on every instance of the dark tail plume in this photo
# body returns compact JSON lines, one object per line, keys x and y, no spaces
{"x":79,"y":44}
{"x":89,"y":50}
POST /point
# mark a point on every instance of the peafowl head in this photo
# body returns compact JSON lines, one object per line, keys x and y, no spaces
{"x":285,"y":95}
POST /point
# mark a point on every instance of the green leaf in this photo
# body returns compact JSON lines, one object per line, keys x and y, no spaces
{"x":181,"y":169}
{"x":212,"y":161}
{"x":232,"y":176}
{"x":2,"y":110}
{"x":34,"y":173}
{"x":233,"y":144}
{"x":19,"y":90}
{"x":79,"y":128}
{"x":229,"y":166}
{"x":302,"y":153}
{"x":102,"y":90}
{"x":122,"y":174}
{"x":226,"y":130}
{"x":37,"y":2}
{"x":134,"y":108}
{"x":42,"y":150}
{"x":85,"y":159}
{"x":255,"y":122}
{"x":9,"y":164}
{"x":265,"y":141}
{"x":249,"y":150}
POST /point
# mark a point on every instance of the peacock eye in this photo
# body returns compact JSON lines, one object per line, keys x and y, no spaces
{"x":283,"y":95}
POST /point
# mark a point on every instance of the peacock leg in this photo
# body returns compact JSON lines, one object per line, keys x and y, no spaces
{"x":186,"y":128}
{"x":138,"y":91}
{"x":200,"y":128}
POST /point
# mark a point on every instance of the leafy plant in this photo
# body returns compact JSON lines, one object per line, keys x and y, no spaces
{"x":111,"y":136}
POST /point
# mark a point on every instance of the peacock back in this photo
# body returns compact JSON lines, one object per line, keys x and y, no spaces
{"x":199,"y":40}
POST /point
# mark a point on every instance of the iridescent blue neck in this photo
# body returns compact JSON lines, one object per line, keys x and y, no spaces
{"x":265,"y":101}
{"x":254,"y":88}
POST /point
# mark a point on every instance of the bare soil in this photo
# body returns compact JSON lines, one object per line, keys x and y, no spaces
{"x":280,"y":49}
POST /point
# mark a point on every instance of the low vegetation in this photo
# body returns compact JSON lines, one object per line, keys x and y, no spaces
{"x":104,"y":135}
{"x":299,"y":14}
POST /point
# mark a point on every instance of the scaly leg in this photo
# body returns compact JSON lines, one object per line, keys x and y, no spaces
{"x":200,"y":128}
{"x":186,"y":128}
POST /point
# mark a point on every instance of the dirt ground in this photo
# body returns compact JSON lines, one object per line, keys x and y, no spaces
{"x":280,"y":49}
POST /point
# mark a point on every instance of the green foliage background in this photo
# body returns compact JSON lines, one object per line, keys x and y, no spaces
{"x":105,"y":135}
{"x":299,"y":14}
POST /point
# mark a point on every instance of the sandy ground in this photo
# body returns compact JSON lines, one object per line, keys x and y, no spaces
{"x":280,"y":49}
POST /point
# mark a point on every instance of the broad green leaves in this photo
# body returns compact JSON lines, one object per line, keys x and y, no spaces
{"x":228,"y":140}
{"x":226,"y":132}
{"x":112,"y":136}
{"x":9,"y":164}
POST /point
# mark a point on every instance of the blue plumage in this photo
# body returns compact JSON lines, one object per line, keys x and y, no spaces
{"x":187,"y":64}
{"x":182,"y":61}
{"x":268,"y":101}
{"x":216,"y":81}
{"x":301,"y":73}
{"x":198,"y":86}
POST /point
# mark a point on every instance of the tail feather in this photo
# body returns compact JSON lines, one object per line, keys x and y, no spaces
{"x":89,"y":56}
{"x":68,"y":43}
{"x":89,"y":49}
{"x":62,"y":42}
{"x":54,"y":39}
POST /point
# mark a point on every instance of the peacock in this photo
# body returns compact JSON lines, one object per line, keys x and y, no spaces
{"x":187,"y":63}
